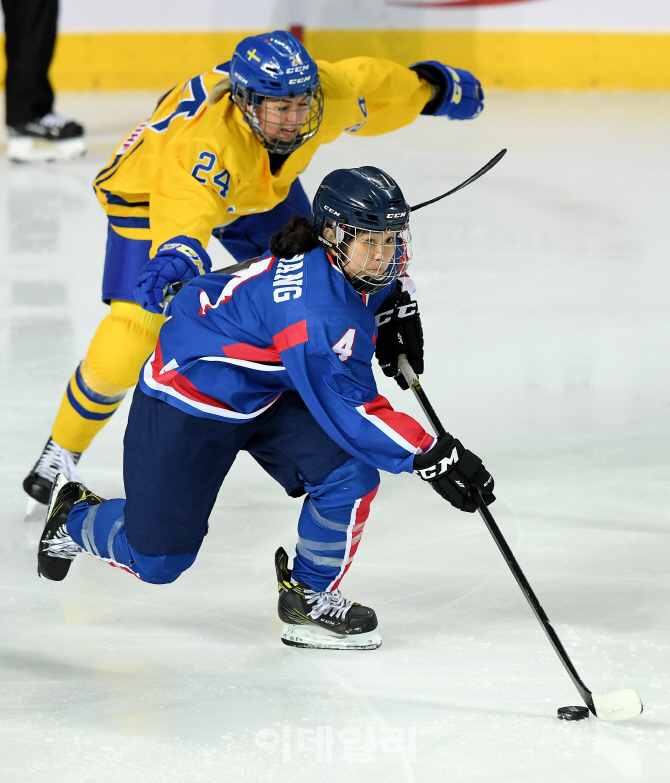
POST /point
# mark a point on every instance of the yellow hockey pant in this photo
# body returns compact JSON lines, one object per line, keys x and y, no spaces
{"x":122,"y":343}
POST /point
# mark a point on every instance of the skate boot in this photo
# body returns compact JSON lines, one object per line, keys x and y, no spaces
{"x":322,"y":620}
{"x":51,"y":137}
{"x":55,"y":459}
{"x":57,"y":550}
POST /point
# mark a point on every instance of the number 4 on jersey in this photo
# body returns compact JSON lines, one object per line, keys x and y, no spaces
{"x":344,"y":347}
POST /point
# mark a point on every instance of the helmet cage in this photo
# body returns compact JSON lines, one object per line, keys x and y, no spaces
{"x":364,"y":258}
{"x":268,"y":133}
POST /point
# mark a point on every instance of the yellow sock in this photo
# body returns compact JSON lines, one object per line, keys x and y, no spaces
{"x":121,"y":345}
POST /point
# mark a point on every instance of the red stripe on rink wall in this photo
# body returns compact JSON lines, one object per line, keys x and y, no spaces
{"x":292,"y":335}
{"x":453,"y":3}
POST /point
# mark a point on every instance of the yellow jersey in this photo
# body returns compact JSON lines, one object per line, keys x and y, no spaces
{"x":192,"y":167}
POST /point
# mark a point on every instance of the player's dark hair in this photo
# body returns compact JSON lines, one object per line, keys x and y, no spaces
{"x":297,"y":236}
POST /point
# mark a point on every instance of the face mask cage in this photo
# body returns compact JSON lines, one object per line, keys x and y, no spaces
{"x":370,"y":260}
{"x":277,"y":125}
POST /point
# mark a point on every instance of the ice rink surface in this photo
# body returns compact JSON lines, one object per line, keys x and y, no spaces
{"x":544,"y":294}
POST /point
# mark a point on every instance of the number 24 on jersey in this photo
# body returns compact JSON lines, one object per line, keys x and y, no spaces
{"x":220,"y":180}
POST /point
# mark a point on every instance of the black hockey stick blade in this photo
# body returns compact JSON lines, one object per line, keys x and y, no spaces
{"x":467,"y":182}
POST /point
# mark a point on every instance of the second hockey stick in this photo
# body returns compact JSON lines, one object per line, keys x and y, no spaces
{"x":232,"y":269}
{"x":617,"y":705}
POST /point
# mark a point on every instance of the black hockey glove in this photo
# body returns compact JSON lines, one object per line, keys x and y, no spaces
{"x":399,"y":331}
{"x":453,"y":471}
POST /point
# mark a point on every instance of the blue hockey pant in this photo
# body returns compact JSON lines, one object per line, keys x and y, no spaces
{"x":175,"y":464}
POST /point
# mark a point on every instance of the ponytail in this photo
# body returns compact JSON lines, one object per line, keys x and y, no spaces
{"x":298,"y":236}
{"x":219,"y":90}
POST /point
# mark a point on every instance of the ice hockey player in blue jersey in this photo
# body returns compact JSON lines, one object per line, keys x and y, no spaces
{"x":275,"y":358}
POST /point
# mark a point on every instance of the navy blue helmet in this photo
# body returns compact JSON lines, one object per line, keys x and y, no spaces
{"x":362,"y":217}
{"x":277,"y":66}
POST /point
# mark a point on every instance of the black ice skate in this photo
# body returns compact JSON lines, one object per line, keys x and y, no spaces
{"x":322,"y":620}
{"x":53,"y":460}
{"x":57,"y":550}
{"x":51,"y":137}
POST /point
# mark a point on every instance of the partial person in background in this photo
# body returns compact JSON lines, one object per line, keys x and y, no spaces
{"x":221,"y":154}
{"x":35,"y":132}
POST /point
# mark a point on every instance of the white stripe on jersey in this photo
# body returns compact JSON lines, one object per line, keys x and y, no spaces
{"x":201,"y":406}
{"x":396,"y":437}
{"x":244,"y":363}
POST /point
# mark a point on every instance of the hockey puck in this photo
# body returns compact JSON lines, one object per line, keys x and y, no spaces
{"x":573,"y":713}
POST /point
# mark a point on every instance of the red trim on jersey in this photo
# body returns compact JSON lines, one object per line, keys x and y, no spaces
{"x":292,"y":335}
{"x":181,"y":384}
{"x":251,"y":353}
{"x":403,"y":424}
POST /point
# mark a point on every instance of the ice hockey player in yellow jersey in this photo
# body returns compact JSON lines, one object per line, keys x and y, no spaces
{"x":221,"y":155}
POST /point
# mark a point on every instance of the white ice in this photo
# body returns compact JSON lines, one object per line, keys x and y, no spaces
{"x":544,"y":293}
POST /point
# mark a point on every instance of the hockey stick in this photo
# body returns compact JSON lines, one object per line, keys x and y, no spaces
{"x":172,"y":289}
{"x":617,"y":705}
{"x":467,"y":182}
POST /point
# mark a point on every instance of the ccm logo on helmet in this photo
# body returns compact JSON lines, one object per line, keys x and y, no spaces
{"x":299,"y":81}
{"x":331,"y":210}
{"x":391,"y":215}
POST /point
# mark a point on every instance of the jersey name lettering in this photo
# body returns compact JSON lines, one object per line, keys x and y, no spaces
{"x":288,"y":279}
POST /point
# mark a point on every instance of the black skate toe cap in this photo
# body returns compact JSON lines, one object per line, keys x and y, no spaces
{"x":53,"y":568}
{"x":37,"y":487}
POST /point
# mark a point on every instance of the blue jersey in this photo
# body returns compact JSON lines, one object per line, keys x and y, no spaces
{"x":233,"y":343}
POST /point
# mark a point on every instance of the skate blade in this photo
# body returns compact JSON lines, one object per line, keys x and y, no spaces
{"x":26,"y":149}
{"x":307,"y":636}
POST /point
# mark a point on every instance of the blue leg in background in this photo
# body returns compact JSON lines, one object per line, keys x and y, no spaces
{"x":100,"y":531}
{"x":249,"y":236}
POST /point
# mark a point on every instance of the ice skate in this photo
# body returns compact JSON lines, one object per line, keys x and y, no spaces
{"x":322,"y":620}
{"x":57,"y":550}
{"x":54,"y":459}
{"x":47,"y":138}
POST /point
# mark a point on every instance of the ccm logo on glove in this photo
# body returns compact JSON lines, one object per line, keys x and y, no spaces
{"x":433,"y":472}
{"x":399,"y":331}
{"x":454,"y":472}
{"x":404,"y":311}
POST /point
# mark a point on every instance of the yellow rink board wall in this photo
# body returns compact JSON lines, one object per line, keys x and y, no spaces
{"x":516,"y":60}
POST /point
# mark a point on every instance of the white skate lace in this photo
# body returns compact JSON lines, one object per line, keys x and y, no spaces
{"x":333,"y":603}
{"x":54,"y":460}
{"x":61,"y":545}
{"x":53,"y":121}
